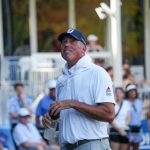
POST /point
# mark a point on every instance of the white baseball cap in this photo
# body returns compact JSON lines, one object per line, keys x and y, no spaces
{"x":131,"y":87}
{"x":52,"y":84}
{"x":23,"y":112}
{"x":92,"y":37}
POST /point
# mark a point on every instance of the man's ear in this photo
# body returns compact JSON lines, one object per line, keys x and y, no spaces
{"x":84,"y":48}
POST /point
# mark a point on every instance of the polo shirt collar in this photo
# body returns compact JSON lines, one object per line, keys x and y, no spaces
{"x":81,"y":65}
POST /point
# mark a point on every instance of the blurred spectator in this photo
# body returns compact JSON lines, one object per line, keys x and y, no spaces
{"x":109,"y":69}
{"x":0,"y":69}
{"x":146,"y":120}
{"x":92,"y":44}
{"x":136,"y":106}
{"x":52,"y":44}
{"x":118,"y":132}
{"x":3,"y":142}
{"x":55,"y":45}
{"x":26,"y":134}
{"x":100,"y":62}
{"x":2,"y":147}
{"x":17,"y":102}
{"x":23,"y":50}
{"x":44,"y":103}
{"x":54,"y":147}
{"x":127,"y":75}
{"x":146,"y":125}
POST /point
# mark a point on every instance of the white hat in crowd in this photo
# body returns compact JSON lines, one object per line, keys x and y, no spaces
{"x":131,"y":87}
{"x":92,"y":37}
{"x":23,"y":112}
{"x":52,"y":84}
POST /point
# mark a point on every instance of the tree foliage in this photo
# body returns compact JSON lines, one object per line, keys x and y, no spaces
{"x":20,"y":22}
{"x":52,"y":18}
{"x":132,"y":28}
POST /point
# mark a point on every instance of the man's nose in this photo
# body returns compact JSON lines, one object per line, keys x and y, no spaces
{"x":67,"y":43}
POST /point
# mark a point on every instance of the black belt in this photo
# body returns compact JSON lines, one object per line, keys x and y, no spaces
{"x":81,"y":142}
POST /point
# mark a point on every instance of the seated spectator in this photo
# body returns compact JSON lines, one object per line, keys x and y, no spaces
{"x":92,"y":44}
{"x":18,"y":101}
{"x":3,"y":142}
{"x":1,"y":147}
{"x":109,"y":69}
{"x":6,"y":139}
{"x":44,"y":103}
{"x":127,"y":75}
{"x":26,"y":134}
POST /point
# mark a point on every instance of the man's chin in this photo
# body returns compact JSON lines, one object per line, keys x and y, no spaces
{"x":68,"y":57}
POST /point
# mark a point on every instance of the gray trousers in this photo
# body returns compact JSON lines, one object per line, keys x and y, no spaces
{"x":93,"y":145}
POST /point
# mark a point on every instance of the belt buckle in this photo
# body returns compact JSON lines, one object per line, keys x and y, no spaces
{"x":76,"y":144}
{"x":72,"y":146}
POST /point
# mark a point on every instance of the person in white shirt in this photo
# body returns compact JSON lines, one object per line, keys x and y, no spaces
{"x":93,"y":46}
{"x":85,"y":98}
{"x":120,"y":125}
{"x":136,"y":105}
{"x":26,"y":134}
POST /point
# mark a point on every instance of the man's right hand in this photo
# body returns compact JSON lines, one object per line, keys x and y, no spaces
{"x":46,"y":120}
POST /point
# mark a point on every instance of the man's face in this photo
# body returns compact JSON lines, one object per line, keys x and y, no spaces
{"x":24,"y":119}
{"x":132,"y":94}
{"x":52,"y":93}
{"x":119,"y":94}
{"x":19,"y":90}
{"x":72,"y":50}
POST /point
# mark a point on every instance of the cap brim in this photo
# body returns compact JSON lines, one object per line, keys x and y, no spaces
{"x":62,"y":35}
{"x":52,"y":87}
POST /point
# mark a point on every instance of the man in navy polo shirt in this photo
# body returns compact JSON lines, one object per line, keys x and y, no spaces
{"x":44,"y":103}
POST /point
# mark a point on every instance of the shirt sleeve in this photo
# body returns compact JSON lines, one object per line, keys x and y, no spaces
{"x":12,"y":105}
{"x":103,"y":89}
{"x":39,"y":110}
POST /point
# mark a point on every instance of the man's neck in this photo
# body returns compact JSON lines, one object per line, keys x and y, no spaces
{"x":73,"y":63}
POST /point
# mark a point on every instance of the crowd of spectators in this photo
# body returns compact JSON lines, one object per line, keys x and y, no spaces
{"x":25,"y":133}
{"x":124,"y":130}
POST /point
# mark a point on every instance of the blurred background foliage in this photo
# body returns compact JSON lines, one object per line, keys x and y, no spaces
{"x":133,"y":29}
{"x":52,"y":18}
